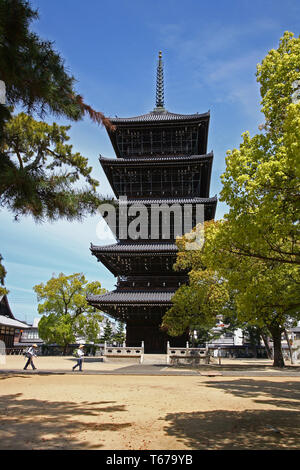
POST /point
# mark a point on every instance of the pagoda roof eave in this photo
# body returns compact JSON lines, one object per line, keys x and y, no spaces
{"x":113,"y":257}
{"x":154,"y":160}
{"x":132,"y":298}
{"x":159,"y":117}
{"x":168,"y":200}
{"x":131,"y":248}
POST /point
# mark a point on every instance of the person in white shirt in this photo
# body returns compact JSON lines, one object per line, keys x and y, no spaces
{"x":79,"y":356}
{"x":30,"y":354}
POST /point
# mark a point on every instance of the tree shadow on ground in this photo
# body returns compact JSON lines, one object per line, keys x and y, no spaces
{"x":5,"y":376}
{"x":245,"y":430}
{"x":284,"y":394}
{"x":277,"y":428}
{"x":42,"y":424}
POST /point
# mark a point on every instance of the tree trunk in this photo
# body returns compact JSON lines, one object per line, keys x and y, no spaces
{"x":267,"y":346}
{"x":276,"y":336}
{"x":254,"y":349}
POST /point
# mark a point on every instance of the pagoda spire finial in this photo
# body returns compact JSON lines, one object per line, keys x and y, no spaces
{"x":160,"y":84}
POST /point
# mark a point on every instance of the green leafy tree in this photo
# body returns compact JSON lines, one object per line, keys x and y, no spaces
{"x":196,"y":304}
{"x":66,"y":312}
{"x":261,"y":188}
{"x":206,"y":296}
{"x":3,"y":290}
{"x":57,"y":329}
{"x":261,"y":182}
{"x":256,"y":248}
{"x":265,"y":293}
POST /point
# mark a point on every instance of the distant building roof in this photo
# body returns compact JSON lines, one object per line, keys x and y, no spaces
{"x":5,"y":308}
{"x":6,"y":316}
{"x":6,"y":321}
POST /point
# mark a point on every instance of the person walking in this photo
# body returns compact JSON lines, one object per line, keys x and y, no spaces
{"x":30,"y":354}
{"x":79,"y":354}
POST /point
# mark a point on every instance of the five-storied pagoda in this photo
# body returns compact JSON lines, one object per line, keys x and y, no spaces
{"x":161,"y":162}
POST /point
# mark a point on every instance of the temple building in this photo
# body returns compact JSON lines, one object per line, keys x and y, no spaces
{"x":162,"y":170}
{"x":10,"y":328}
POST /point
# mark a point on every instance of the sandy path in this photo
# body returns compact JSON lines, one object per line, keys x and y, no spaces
{"x":156,"y":413}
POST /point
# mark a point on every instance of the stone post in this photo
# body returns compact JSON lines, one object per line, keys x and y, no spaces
{"x":168,"y":352}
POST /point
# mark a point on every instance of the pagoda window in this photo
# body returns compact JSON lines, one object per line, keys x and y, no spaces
{"x":158,"y":141}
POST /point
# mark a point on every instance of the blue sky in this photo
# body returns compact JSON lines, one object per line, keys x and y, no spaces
{"x":210,"y":52}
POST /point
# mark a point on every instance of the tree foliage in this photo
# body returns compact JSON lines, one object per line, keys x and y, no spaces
{"x":257,"y":292}
{"x":261,"y":188}
{"x":37,"y":80}
{"x":119,"y":336}
{"x":196,"y":304}
{"x":34,"y":73}
{"x":255,"y":251}
{"x":40,"y":172}
{"x":66,"y":312}
{"x":261,"y":182}
{"x":108,"y":332}
{"x":3,"y":290}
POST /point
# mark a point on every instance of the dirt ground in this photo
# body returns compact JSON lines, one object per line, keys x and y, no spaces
{"x":127,"y":412}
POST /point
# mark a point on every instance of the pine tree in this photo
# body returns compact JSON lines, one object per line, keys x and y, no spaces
{"x":119,"y":336}
{"x":34,"y":73}
{"x":108,"y":332}
{"x":37,"y":80}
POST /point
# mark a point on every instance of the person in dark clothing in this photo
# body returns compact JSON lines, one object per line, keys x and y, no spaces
{"x":30,"y":354}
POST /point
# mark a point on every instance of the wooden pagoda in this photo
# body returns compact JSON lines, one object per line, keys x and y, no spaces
{"x":161,"y":159}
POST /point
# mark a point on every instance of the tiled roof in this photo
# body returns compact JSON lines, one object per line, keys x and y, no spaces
{"x":166,"y":158}
{"x":6,"y":321}
{"x":159,"y":116}
{"x":29,"y":342}
{"x":137,"y":247}
{"x":129,"y":297}
{"x":4,"y":307}
{"x":179,"y":200}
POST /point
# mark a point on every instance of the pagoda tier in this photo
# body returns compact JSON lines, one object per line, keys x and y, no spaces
{"x":142,"y":311}
{"x":160,"y":133}
{"x":158,"y":219}
{"x":124,"y":259}
{"x":161,"y":177}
